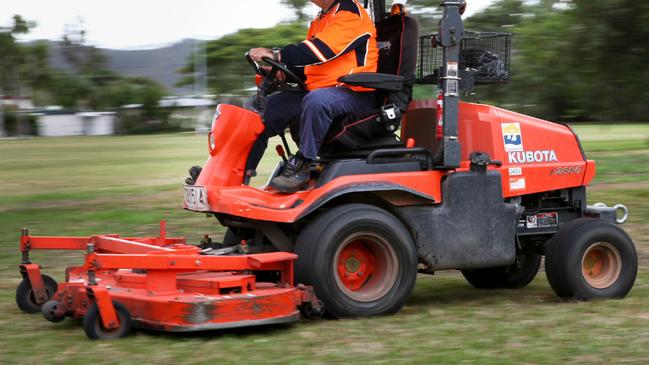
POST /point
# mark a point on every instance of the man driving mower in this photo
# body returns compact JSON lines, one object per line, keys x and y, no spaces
{"x":341,"y":40}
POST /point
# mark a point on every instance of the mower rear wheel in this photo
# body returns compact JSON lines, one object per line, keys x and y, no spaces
{"x":591,"y":259}
{"x":95,"y":329}
{"x":514,"y":276}
{"x":360,"y":260}
{"x":25,"y":294}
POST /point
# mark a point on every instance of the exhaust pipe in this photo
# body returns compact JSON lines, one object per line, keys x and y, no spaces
{"x":618,"y":213}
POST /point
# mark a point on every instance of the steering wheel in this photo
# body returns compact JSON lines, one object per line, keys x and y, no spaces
{"x":258,"y":70}
{"x":270,"y":77}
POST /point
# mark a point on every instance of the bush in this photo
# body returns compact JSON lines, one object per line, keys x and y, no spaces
{"x":20,"y":124}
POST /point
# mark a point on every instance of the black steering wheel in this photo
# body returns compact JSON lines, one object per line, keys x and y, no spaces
{"x":270,"y":77}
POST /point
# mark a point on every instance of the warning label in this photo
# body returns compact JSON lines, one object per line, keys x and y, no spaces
{"x":542,"y":220}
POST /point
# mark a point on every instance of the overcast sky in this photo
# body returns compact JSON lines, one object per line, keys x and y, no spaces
{"x":150,"y":23}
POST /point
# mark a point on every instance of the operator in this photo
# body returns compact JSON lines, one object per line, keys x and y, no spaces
{"x":341,"y":40}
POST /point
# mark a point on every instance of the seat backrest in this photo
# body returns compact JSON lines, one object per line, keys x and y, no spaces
{"x":398,"y":38}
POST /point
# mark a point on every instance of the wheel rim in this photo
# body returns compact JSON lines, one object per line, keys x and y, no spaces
{"x":601,"y":265}
{"x":365,"y":266}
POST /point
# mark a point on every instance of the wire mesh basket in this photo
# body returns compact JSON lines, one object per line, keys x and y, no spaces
{"x":487,"y":55}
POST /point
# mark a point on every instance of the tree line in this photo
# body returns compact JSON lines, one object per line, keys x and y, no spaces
{"x":576,"y":60}
{"x":88,"y":85}
{"x":572,"y":60}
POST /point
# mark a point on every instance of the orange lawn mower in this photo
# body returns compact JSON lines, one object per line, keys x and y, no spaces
{"x":465,"y":186}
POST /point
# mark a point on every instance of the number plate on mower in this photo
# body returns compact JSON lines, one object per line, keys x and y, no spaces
{"x":196,"y":198}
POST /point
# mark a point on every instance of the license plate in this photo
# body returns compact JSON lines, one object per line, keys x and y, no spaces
{"x":196,"y":198}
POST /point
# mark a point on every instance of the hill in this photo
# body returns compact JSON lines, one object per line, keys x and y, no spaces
{"x":160,"y":64}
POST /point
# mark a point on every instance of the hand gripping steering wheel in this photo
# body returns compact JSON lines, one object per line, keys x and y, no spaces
{"x":270,"y":77}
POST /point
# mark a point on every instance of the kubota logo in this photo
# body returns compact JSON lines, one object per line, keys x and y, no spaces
{"x":532,"y":157}
{"x":512,"y":137}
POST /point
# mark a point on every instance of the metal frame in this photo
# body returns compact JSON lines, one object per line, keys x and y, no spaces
{"x":451,"y":31}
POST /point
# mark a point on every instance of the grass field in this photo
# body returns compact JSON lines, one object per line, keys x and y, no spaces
{"x":89,"y":185}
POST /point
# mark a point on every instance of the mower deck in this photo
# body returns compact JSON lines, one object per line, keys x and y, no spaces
{"x":163,"y":284}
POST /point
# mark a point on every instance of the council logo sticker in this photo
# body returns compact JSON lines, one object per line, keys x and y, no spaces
{"x":512,"y":137}
{"x":516,"y":183}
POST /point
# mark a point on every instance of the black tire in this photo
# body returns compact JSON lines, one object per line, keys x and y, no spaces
{"x":94,"y":328}
{"x":25,"y":295}
{"x":380,"y":237}
{"x":514,"y":276}
{"x":49,"y":311}
{"x":591,"y":259}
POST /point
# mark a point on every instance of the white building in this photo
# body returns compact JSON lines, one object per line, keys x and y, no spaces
{"x":76,"y":124}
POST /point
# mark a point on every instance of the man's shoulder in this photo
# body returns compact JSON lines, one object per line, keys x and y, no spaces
{"x":349,"y":6}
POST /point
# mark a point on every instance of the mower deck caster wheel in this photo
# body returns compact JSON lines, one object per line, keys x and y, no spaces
{"x":25,"y":299}
{"x":49,"y":311}
{"x":311,"y":311}
{"x":95,"y":329}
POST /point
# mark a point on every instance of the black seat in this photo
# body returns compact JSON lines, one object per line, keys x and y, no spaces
{"x":360,"y":133}
{"x":389,"y":141}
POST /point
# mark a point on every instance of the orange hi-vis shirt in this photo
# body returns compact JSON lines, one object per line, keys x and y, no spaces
{"x":340,"y":41}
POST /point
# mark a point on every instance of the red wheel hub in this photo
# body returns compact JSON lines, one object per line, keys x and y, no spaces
{"x":365,"y":266}
{"x":355,"y":265}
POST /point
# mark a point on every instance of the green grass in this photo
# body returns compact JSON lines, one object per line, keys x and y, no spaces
{"x":90,"y":185}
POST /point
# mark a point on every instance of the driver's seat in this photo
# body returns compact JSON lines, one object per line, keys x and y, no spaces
{"x":360,"y":133}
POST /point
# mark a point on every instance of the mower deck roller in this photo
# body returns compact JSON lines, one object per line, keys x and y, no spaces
{"x":163,"y":284}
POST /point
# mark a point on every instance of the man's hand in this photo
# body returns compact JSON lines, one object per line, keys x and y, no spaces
{"x":279,"y":75}
{"x":258,"y":53}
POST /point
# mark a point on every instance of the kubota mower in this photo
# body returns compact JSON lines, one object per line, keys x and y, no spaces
{"x":464,"y":186}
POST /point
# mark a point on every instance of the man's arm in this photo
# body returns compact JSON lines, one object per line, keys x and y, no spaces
{"x":339,"y":37}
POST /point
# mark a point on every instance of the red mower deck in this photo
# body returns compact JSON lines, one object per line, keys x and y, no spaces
{"x":163,"y":284}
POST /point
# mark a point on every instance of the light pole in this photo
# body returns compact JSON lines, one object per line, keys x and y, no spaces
{"x":3,"y":133}
{"x":2,"y":112}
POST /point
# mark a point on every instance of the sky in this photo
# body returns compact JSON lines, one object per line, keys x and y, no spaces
{"x":134,"y":24}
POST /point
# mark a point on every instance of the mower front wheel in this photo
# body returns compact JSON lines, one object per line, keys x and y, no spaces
{"x":95,"y":329}
{"x":25,"y":299}
{"x":591,"y":259}
{"x":360,"y":260}
{"x":515,"y":276}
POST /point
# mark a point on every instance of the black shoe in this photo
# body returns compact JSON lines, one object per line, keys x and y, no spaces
{"x":294,"y":177}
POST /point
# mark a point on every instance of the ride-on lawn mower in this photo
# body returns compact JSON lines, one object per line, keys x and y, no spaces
{"x":467,"y":186}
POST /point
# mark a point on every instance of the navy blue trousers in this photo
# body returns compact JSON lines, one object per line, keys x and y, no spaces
{"x":316,"y":110}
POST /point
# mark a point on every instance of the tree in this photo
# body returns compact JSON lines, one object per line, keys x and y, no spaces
{"x":611,"y":43}
{"x":136,"y":90}
{"x":501,"y":15}
{"x":14,"y":56}
{"x":228,"y":71}
{"x":298,"y":6}
{"x":84,"y":59}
